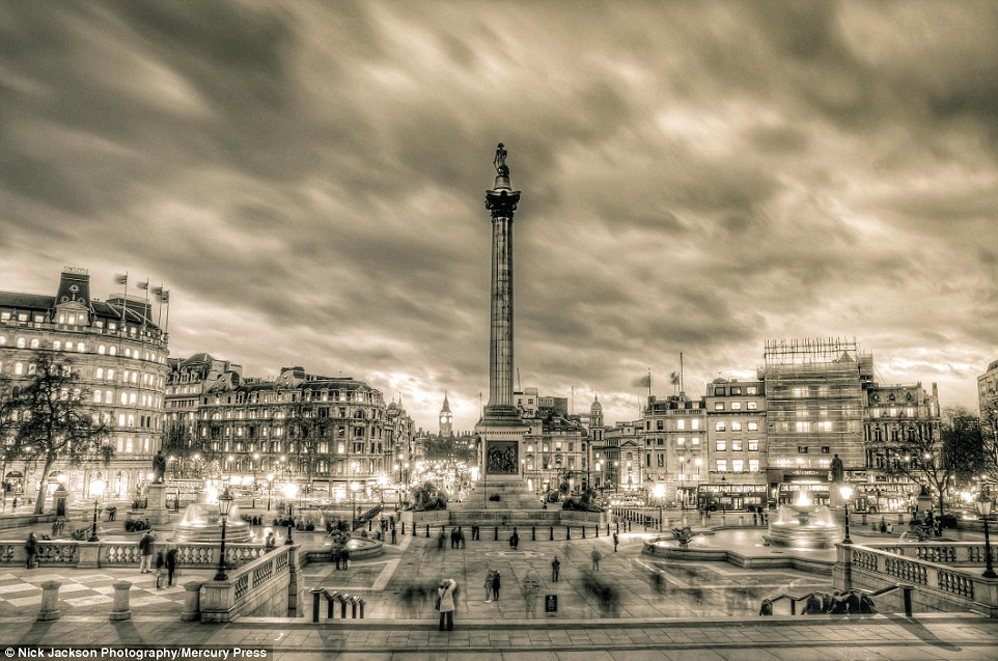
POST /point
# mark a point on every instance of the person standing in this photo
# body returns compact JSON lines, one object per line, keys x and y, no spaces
{"x":346,"y":558}
{"x":445,"y":593}
{"x":496,"y":584}
{"x":615,"y":542}
{"x":596,"y":556}
{"x":31,"y":547}
{"x":145,"y":548}
{"x":171,"y":565}
{"x":394,"y":538}
{"x":489,"y":578}
{"x":555,"y":570}
{"x":160,"y":565}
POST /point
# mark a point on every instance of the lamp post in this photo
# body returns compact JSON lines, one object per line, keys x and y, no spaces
{"x":270,"y":488}
{"x":224,"y":505}
{"x":984,"y":509}
{"x":290,"y":491}
{"x":354,"y":486}
{"x":96,"y":490}
{"x":846,"y":492}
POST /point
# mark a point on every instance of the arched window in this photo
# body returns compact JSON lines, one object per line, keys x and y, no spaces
{"x":99,"y":373}
{"x":21,"y":343}
{"x":81,"y":347}
{"x":35,"y":343}
{"x":97,"y":397}
{"x":18,"y":369}
{"x":69,"y":346}
{"x":113,"y":350}
{"x":57,"y":345}
{"x":31,"y":368}
{"x":101,"y":350}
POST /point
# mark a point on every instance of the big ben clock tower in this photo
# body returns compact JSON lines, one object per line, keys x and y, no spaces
{"x":446,"y":419}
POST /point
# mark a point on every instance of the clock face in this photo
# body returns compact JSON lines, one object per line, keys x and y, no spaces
{"x":74,"y":288}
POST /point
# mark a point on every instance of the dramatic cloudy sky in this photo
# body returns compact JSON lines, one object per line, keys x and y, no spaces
{"x":307,"y":178}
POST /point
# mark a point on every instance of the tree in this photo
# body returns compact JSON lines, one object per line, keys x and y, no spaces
{"x":936,"y":463}
{"x":989,"y":442}
{"x":56,"y":423}
{"x":303,"y":431}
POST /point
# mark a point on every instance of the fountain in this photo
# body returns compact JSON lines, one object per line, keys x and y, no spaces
{"x":803,"y":525}
{"x":202,"y":523}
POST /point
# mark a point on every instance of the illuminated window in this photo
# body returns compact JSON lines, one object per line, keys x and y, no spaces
{"x":737,"y":465}
{"x":753,"y":465}
{"x":720,"y":426}
{"x":722,"y":465}
{"x":722,"y":446}
{"x":736,"y":406}
{"x":751,"y":406}
{"x":736,"y":446}
{"x":736,"y":426}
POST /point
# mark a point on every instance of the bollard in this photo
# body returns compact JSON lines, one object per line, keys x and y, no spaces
{"x":568,"y":533}
{"x":497,"y":534}
{"x":343,"y":607}
{"x":628,"y":526}
{"x":427,"y":530}
{"x":353,"y":607}
{"x":50,"y":601}
{"x":192,"y":602}
{"x":316,"y":593}
{"x":121,"y":610}
{"x":597,"y":530}
{"x":793,"y":606}
{"x":331,"y":605}
{"x":533,"y":533}
{"x":370,"y":525}
{"x":583,"y":532}
{"x":362,"y":609}
{"x":906,"y":590}
{"x":552,"y":533}
{"x":618,"y":526}
{"x":403,"y":528}
{"x":607,"y":528}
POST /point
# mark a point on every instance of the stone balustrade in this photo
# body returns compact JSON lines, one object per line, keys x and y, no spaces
{"x":111,"y":553}
{"x":945,"y":553}
{"x":268,"y":587}
{"x":952,"y":586}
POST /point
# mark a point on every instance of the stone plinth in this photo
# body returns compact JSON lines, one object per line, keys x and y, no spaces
{"x":121,"y":609}
{"x":50,"y":601}
{"x":156,"y":510}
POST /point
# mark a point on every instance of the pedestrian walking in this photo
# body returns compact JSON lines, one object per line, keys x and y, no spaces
{"x":346,"y":558}
{"x":460,"y":537}
{"x":445,"y":602}
{"x":555,"y":569}
{"x":394,"y":538}
{"x":31,"y":547}
{"x":171,"y":565}
{"x":615,"y":542}
{"x":496,"y":584}
{"x":145,"y":548}
{"x":514,"y":540}
{"x":441,"y":539}
{"x":596,"y":556}
{"x":489,"y":578}
{"x":160,"y":565}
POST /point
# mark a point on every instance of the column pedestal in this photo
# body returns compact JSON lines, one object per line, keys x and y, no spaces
{"x":156,"y":505}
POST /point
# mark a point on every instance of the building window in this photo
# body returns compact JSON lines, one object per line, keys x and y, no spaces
{"x":753,"y":446}
{"x":720,"y":426}
{"x":736,"y":426}
{"x":696,"y":440}
{"x":825,"y":449}
{"x":751,"y":406}
{"x":751,"y":390}
{"x":722,"y":465}
{"x":681,"y":440}
{"x":753,"y":465}
{"x":736,"y":406}
{"x":718,"y":406}
{"x":737,"y":465}
{"x":722,"y":446}
{"x":695,"y":424}
{"x":736,"y":446}
{"x":802,"y":427}
{"x":718,"y":392}
{"x":801,"y":449}
{"x":21,"y":343}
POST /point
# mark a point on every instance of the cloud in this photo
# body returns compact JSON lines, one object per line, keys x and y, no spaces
{"x":308,"y":179}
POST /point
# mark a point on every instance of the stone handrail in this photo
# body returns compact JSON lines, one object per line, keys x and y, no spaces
{"x":258,"y":585}
{"x":109,"y":553}
{"x":938,"y":586}
{"x":946,"y":553}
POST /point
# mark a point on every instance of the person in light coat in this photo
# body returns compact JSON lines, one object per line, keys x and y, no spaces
{"x":446,"y":594}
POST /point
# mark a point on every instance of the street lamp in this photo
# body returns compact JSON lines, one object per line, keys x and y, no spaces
{"x":224,"y":505}
{"x":846,"y":492}
{"x":96,"y":490}
{"x":984,"y":509}
{"x":354,"y":487}
{"x":290,"y":491}
{"x":270,"y":488}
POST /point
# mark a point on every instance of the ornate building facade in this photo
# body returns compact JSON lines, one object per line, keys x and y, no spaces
{"x":301,"y":427}
{"x":120,"y":355}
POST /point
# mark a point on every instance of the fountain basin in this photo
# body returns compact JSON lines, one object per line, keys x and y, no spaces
{"x":803,"y":525}
{"x":202,"y":523}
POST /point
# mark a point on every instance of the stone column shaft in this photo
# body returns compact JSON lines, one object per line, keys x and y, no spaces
{"x":501,"y":327}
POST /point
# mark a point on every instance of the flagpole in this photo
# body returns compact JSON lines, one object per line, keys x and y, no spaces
{"x":649,"y":382}
{"x":166,"y":329}
{"x":124,"y":301}
{"x":159,"y":316}
{"x":147,"y":308}
{"x":682,"y":384}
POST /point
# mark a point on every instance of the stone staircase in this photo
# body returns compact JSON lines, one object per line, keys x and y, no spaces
{"x":516,"y":506}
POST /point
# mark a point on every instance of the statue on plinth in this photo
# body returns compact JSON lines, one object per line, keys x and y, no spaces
{"x":158,"y":467}
{"x":500,"y":161}
{"x":838,"y":471}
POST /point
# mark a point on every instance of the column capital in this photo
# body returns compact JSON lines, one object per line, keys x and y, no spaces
{"x":501,"y":202}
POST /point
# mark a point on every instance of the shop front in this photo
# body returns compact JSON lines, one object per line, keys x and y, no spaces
{"x":731,"y":497}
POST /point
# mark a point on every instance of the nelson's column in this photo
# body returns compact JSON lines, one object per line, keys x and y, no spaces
{"x":501,"y":428}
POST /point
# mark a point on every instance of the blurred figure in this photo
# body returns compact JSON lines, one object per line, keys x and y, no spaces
{"x":555,"y":570}
{"x":496,"y":585}
{"x":596,"y":556}
{"x":489,"y":578}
